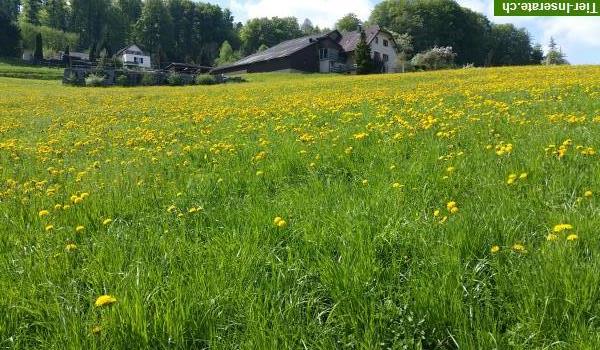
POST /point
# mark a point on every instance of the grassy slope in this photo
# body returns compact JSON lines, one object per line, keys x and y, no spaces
{"x":12,"y":70}
{"x":360,"y":264}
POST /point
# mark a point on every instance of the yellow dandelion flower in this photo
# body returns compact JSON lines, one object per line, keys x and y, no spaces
{"x":365,"y":182}
{"x":436,"y":213}
{"x":572,"y":237}
{"x":495,"y":249}
{"x":79,"y":228}
{"x":279,"y":222}
{"x":49,"y":228}
{"x":588,"y":194}
{"x":454,"y":210}
{"x":260,"y":173}
{"x":96,"y":329}
{"x":78,"y":200}
{"x":451,"y":205}
{"x":105,"y":300}
{"x":562,"y":227}
{"x":58,"y":207}
{"x":523,"y":176}
{"x":106,"y":222}
{"x":396,"y":185}
{"x":551,"y":237}
{"x":43,"y":213}
{"x":519,"y":248}
{"x":71,"y":247}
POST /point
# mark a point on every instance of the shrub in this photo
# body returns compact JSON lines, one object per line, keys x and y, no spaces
{"x":122,"y":80}
{"x":205,"y":79}
{"x":436,"y":58}
{"x":175,"y":79}
{"x":148,"y":79}
{"x":71,"y":79}
{"x":94,"y":80}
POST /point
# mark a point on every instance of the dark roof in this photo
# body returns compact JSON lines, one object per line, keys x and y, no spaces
{"x":184,"y":67}
{"x":125,"y":48}
{"x":351,"y":39}
{"x":281,"y":50}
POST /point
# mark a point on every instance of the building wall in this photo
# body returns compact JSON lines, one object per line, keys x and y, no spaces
{"x":129,"y":58}
{"x":390,"y":50}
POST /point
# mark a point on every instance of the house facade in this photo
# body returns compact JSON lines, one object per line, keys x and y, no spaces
{"x":325,"y":53}
{"x":134,"y":56}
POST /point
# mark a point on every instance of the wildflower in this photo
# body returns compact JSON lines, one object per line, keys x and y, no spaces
{"x":396,"y":185}
{"x":78,"y":200}
{"x":365,"y":182}
{"x":519,"y":248}
{"x":105,"y":300}
{"x":451,"y":205}
{"x":523,"y":176}
{"x":587,"y":194}
{"x":551,"y":237}
{"x":562,"y":227}
{"x":194,"y":210}
{"x":259,"y":173}
{"x":66,"y":207}
{"x":572,"y":237}
{"x":79,"y":228}
{"x":360,"y":136}
{"x":106,"y":222}
{"x":436,"y":213}
{"x":96,"y":329}
{"x":511,"y":179}
{"x":71,"y":247}
{"x":171,"y":208}
{"x":495,"y":249}
{"x":84,"y":195}
{"x":450,"y":169}
{"x":348,"y":150}
{"x":49,"y":228}
{"x":454,"y":210}
{"x":279,"y":222}
{"x":43,"y":213}
{"x":58,"y":207}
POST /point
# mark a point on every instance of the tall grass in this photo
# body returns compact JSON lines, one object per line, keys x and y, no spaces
{"x":177,"y":191}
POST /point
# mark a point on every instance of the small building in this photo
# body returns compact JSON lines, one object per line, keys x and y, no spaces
{"x":185,"y":68}
{"x":324,"y":53}
{"x":133,"y":56}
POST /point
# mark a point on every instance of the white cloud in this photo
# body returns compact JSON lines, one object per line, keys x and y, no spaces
{"x":323,"y":13}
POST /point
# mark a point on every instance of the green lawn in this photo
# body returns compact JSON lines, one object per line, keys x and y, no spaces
{"x":10,"y":69}
{"x":442,"y":210}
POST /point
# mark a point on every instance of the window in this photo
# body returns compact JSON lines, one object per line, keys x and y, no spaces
{"x":377,"y":56}
{"x":376,"y":40}
{"x":135,"y":59}
{"x":385,"y":43}
{"x":386,"y":58}
{"x":323,"y":54}
{"x":141,"y":60}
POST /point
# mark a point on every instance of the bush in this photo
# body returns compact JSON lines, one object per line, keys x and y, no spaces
{"x":122,"y":80}
{"x":175,"y":79}
{"x":436,"y":58}
{"x":148,"y":79}
{"x":94,"y":80}
{"x":205,"y":79}
{"x":71,"y":79}
{"x":54,"y":39}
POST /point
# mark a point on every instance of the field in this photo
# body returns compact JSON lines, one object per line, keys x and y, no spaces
{"x":445,"y":210}
{"x":9,"y":69}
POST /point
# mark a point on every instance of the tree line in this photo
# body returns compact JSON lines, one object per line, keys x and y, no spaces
{"x":203,"y":33}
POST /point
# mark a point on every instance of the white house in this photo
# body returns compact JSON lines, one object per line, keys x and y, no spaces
{"x":381,"y":42}
{"x":133,"y":56}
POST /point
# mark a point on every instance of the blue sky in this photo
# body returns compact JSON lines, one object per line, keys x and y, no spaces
{"x":579,"y":37}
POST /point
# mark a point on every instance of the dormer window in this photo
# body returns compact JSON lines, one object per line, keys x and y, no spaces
{"x":376,"y":40}
{"x":385,"y":43}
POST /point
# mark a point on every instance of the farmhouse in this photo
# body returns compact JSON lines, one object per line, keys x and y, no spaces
{"x":132,"y":55}
{"x":324,"y":53}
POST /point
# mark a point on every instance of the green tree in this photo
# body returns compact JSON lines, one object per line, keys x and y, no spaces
{"x":555,"y":56}
{"x":508,"y":45}
{"x":154,"y":29}
{"x":364,"y":62}
{"x":10,"y":38}
{"x":54,"y":14}
{"x":226,"y":54}
{"x":10,"y":9}
{"x":269,"y":32}
{"x":308,"y":28}
{"x":262,"y":48}
{"x":437,"y":23}
{"x":348,"y":23}
{"x":89,"y":18}
{"x":38,"y":54}
{"x":31,"y":10}
{"x":537,"y":54}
